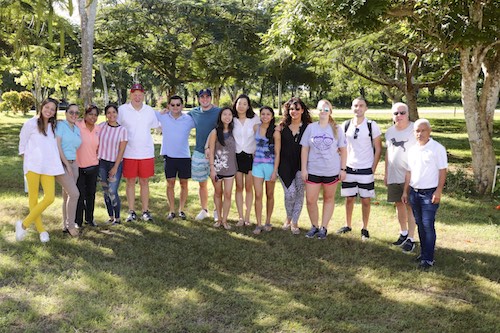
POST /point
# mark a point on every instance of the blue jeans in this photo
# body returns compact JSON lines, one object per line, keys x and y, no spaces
{"x":425,"y":216}
{"x":110,"y":187}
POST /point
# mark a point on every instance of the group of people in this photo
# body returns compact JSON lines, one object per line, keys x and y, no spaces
{"x":235,"y":145}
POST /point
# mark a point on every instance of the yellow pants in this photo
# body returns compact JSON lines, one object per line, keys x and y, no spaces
{"x":37,"y":208}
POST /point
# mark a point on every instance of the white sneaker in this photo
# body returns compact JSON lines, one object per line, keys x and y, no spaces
{"x":216,"y":216}
{"x":44,"y":237}
{"x":202,"y":215}
{"x":20,"y":232}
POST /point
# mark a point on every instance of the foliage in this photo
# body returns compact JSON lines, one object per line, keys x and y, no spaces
{"x":460,"y":184}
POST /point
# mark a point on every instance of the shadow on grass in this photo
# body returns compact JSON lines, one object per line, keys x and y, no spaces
{"x":187,"y":276}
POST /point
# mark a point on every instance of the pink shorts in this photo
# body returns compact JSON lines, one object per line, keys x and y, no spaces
{"x":138,"y":168}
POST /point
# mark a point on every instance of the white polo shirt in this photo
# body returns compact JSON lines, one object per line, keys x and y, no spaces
{"x":244,"y":134}
{"x":139,"y":125}
{"x":424,"y":163}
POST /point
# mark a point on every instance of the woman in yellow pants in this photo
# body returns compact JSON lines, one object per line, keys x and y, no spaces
{"x":41,"y":163}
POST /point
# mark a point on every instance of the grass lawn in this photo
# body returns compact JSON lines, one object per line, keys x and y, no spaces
{"x":186,"y":276}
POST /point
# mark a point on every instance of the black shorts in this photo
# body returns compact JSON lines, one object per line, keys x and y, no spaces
{"x":313,"y":179}
{"x":244,"y":162}
{"x":177,"y":167}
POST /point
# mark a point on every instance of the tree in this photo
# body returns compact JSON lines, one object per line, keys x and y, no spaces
{"x":87,"y":10}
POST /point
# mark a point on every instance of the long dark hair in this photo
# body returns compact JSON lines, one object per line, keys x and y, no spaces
{"x":219,"y":128}
{"x":272,"y":124}
{"x":52,"y":120}
{"x":294,"y":101}
{"x":249,"y":113}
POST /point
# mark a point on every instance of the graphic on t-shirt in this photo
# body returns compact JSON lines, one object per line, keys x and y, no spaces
{"x":399,"y":143}
{"x":322,"y":142}
{"x":221,"y":160}
{"x":262,"y":143}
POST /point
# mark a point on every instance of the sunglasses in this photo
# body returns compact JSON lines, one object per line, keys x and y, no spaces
{"x":356,"y":133}
{"x":178,"y":104}
{"x":325,"y":110}
{"x":399,"y":112}
{"x":73,"y":113}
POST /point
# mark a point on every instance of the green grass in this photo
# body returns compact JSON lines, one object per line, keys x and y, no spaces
{"x":188,"y":277}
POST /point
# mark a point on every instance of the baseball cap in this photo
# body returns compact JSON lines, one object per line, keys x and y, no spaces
{"x":205,"y":91}
{"x":136,"y":86}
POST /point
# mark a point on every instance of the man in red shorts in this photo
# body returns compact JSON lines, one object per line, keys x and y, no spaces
{"x":138,"y":161}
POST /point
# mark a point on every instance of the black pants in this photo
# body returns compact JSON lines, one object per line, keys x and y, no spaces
{"x":87,"y":182}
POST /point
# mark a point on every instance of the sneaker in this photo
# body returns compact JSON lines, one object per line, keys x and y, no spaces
{"x":171,"y":216}
{"x":203,"y":214}
{"x":116,"y":222}
{"x":91,"y":223}
{"x":132,"y":216}
{"x":344,"y":230}
{"x":365,"y":235}
{"x":216,"y":216}
{"x":425,"y":264}
{"x":20,"y":231}
{"x":110,"y":221}
{"x":400,"y":240}
{"x":182,"y":215}
{"x":322,"y":233}
{"x":311,"y":233}
{"x":146,"y":216}
{"x":408,"y":246}
{"x":44,"y":237}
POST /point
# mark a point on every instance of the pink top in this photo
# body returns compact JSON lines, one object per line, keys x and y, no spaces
{"x":110,"y":138}
{"x":86,"y":155}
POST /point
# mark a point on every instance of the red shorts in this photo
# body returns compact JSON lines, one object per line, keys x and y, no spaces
{"x":138,"y":168}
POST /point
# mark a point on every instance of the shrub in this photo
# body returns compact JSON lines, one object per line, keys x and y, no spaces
{"x":459,"y":184}
{"x":11,"y":100}
{"x":26,"y":101}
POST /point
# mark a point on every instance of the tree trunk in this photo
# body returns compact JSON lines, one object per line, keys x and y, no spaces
{"x":87,"y":9}
{"x":411,"y":100}
{"x":104,"y":84}
{"x":479,"y":113}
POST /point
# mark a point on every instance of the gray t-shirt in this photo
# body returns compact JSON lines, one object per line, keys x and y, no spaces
{"x":225,"y":156}
{"x":323,"y":159}
{"x":398,"y":144}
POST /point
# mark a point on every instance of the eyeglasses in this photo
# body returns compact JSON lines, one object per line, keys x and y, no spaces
{"x":178,"y":104}
{"x":356,"y":133}
{"x":73,"y":113}
{"x":399,"y":112}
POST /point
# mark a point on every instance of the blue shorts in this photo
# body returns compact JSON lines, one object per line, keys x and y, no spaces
{"x":263,"y":170}
{"x":200,"y":168}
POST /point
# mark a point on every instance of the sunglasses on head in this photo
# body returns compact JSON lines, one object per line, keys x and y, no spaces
{"x":399,"y":112}
{"x":356,"y":131}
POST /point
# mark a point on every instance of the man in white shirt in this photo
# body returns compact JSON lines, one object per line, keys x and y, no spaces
{"x":399,"y":139}
{"x":363,"y":153}
{"x":424,"y":183}
{"x":138,"y":160}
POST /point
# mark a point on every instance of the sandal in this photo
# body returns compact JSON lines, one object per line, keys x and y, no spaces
{"x":240,"y":223}
{"x":217,"y":225}
{"x":268,"y":227}
{"x":295,"y":229}
{"x":257,"y":230}
{"x":226,"y":226}
{"x":247,"y":223}
{"x":286,"y":225}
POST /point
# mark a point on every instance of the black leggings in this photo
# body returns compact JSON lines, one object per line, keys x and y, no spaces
{"x":87,"y":182}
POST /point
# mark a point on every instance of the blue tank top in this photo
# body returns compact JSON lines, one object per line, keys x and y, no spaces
{"x":265,"y":151}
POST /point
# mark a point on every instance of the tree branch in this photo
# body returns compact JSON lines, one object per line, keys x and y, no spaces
{"x":369,"y":78}
{"x":440,"y":81}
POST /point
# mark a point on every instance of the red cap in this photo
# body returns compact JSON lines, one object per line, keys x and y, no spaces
{"x":136,"y":86}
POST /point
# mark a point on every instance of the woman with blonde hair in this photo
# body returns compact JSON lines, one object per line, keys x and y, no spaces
{"x":323,"y":158}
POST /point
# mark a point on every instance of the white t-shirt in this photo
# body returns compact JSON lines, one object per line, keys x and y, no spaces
{"x":41,"y":154}
{"x":398,"y":144}
{"x":360,"y":153}
{"x":139,"y":125}
{"x":424,"y":163}
{"x":244,"y":134}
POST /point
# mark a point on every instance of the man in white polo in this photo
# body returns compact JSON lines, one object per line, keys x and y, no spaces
{"x":138,"y":160}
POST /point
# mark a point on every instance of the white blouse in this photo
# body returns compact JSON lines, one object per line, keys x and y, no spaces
{"x":41,"y":154}
{"x":244,"y":134}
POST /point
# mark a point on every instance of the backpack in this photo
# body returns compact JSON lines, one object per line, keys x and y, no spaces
{"x":368,"y":122}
